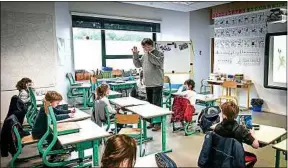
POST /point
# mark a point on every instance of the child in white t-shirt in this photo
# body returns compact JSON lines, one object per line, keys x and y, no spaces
{"x":189,"y":92}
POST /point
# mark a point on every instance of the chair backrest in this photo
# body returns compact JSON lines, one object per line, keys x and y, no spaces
{"x":93,"y":82}
{"x":70,"y":78}
{"x":108,"y":122}
{"x":127,"y":119}
{"x":229,"y":84}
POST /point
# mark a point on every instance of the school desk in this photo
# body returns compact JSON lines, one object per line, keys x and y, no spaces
{"x":109,"y":80}
{"x":125,"y":85}
{"x":88,"y":137}
{"x":114,"y":94}
{"x":127,"y":101}
{"x":282,"y":146}
{"x":246,"y":86}
{"x":146,"y":161}
{"x":266,"y":134}
{"x":85,"y":87}
{"x":149,"y":111}
{"x":78,"y":116}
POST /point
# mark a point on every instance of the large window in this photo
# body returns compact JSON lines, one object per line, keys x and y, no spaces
{"x":121,"y":42}
{"x":108,"y":42}
{"x":87,"y":48}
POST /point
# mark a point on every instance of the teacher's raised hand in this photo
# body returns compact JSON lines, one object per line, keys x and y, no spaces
{"x":135,"y":50}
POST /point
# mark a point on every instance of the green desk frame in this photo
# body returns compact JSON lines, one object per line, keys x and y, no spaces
{"x":19,"y":149}
{"x":80,"y":147}
{"x":124,"y":86}
{"x":163,"y":132}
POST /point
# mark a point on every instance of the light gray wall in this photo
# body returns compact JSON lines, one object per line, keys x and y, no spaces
{"x":64,"y":31}
{"x":27,"y":7}
{"x":174,"y":26}
{"x":200,"y":34}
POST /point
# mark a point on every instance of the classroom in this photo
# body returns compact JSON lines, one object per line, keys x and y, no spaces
{"x":143,"y":84}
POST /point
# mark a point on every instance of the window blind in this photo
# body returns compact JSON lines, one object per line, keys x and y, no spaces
{"x":114,"y":24}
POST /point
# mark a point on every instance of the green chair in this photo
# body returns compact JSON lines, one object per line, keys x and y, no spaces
{"x":205,"y":88}
{"x":73,"y":93}
{"x":167,"y":94}
{"x":32,"y":109}
{"x":21,"y":142}
{"x":128,"y":119}
{"x":51,"y":119}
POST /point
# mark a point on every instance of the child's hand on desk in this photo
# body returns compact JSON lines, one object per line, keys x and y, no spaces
{"x":71,"y":115}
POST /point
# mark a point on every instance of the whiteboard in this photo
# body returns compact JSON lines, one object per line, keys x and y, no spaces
{"x":177,"y":55}
{"x":27,"y":49}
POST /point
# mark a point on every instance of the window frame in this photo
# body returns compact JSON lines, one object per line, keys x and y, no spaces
{"x":103,"y":35}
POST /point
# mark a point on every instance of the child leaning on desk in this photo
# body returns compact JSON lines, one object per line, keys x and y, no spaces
{"x":40,"y":126}
{"x":231,"y":129}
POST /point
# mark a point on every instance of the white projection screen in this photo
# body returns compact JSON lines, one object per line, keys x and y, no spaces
{"x":275,"y":61}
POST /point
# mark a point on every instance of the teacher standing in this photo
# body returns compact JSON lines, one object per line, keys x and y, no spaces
{"x":153,"y":74}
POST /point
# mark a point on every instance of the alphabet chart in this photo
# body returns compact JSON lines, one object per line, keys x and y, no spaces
{"x":240,"y":39}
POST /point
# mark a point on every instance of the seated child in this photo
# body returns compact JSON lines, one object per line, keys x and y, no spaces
{"x":40,"y":127}
{"x":231,"y":129}
{"x":98,"y":115}
{"x":22,"y":87}
{"x":189,"y":92}
{"x":102,"y":93}
{"x":120,"y":151}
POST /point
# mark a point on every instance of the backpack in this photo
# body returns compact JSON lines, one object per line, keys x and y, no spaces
{"x":188,"y":114}
{"x":208,"y":117}
{"x":163,"y":160}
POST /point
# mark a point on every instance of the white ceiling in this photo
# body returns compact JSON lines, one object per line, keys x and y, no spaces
{"x":185,"y":6}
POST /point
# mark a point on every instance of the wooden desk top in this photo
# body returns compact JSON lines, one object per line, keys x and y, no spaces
{"x":149,"y":110}
{"x":217,"y":82}
{"x":83,"y":85}
{"x":66,"y":126}
{"x":266,"y":134}
{"x":88,"y":131}
{"x":127,"y":101}
{"x":282,"y":146}
{"x":79,"y":115}
{"x":146,"y":161}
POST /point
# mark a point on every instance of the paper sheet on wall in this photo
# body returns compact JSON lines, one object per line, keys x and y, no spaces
{"x":61,"y":51}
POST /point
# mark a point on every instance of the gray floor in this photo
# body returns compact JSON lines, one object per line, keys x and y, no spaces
{"x":186,"y":149}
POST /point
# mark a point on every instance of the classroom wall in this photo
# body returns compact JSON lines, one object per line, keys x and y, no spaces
{"x":174,"y":26}
{"x":64,"y":31}
{"x":29,"y":7}
{"x":275,"y":101}
{"x":200,"y":34}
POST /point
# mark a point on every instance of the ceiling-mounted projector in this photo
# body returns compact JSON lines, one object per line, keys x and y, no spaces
{"x":277,"y":15}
